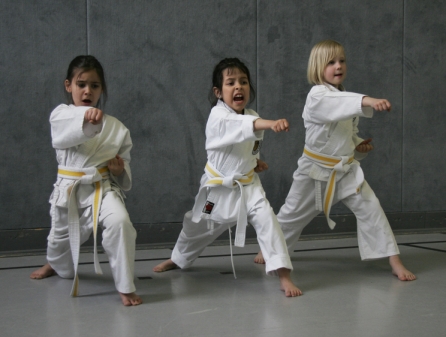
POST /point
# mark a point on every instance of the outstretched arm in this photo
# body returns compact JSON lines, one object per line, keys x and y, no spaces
{"x":379,"y":104}
{"x":277,"y":126}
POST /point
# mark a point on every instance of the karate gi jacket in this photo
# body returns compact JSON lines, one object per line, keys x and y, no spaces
{"x":79,"y":144}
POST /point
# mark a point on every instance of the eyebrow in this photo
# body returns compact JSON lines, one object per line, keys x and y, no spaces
{"x":233,"y":78}
{"x":83,"y":81}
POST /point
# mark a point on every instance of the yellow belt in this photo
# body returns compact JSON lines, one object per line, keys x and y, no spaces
{"x":82,"y":176}
{"x":219,"y":179}
{"x":336,"y":164}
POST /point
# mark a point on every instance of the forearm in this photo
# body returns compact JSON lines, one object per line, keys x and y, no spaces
{"x":379,"y":104}
{"x":367,"y":101}
{"x":263,"y":124}
{"x":68,"y":131}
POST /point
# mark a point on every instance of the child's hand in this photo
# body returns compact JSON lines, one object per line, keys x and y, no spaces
{"x":93,"y":116}
{"x":261,"y":166}
{"x":379,"y":104}
{"x":116,"y":165}
{"x":364,"y":146}
{"x":280,"y":125}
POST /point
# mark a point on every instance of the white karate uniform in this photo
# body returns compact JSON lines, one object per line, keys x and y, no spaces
{"x":232,"y":149}
{"x":331,"y":120}
{"x":79,"y":146}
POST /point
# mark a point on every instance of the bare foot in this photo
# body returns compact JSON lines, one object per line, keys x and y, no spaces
{"x":130,"y":299}
{"x":399,"y":270}
{"x":286,"y":284}
{"x":259,"y":258}
{"x":43,"y":272}
{"x":165,"y":266}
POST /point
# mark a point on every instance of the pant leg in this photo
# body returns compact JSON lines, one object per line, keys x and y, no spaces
{"x":375,"y":236}
{"x":193,"y":239}
{"x":58,"y":250}
{"x":118,"y":241}
{"x":299,"y":208}
{"x":270,"y":237}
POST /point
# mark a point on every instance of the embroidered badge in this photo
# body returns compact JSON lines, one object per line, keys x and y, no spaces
{"x":257,"y":146}
{"x":208,"y":207}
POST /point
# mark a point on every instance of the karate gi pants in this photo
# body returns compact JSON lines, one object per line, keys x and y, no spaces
{"x":375,"y":236}
{"x":118,"y":240}
{"x":195,"y":237}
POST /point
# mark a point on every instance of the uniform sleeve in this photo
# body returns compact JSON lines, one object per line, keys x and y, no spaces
{"x":68,"y":128}
{"x":357,"y":140}
{"x":124,"y":181}
{"x":225,"y":128}
{"x":326,"y":106}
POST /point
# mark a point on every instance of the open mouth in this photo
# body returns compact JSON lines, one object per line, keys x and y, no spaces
{"x":238,"y":98}
{"x":86,"y":101}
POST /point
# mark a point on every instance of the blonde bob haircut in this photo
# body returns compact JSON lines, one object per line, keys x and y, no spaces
{"x":322,"y":53}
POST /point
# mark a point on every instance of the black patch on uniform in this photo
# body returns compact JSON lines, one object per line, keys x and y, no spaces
{"x":257,"y":146}
{"x":208,"y":206}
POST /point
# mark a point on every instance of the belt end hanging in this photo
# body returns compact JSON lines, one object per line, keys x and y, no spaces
{"x":75,"y":288}
{"x":331,"y":223}
{"x":210,"y":226}
{"x":230,"y":248}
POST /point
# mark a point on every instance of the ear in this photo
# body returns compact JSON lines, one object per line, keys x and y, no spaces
{"x":67,"y":86}
{"x":216,"y":92}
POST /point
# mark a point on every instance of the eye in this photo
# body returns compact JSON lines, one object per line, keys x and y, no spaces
{"x":81,"y":85}
{"x":331,"y":62}
{"x":96,"y":86}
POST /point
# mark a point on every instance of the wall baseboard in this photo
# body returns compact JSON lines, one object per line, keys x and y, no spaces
{"x":162,"y":235}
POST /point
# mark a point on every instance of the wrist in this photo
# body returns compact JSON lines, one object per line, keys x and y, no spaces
{"x":366,"y":101}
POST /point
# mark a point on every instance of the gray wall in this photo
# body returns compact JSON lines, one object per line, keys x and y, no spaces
{"x":158,"y":56}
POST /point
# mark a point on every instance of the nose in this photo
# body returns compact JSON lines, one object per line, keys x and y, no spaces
{"x":87,"y":89}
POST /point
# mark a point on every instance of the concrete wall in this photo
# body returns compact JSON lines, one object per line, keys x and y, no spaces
{"x":158,"y":57}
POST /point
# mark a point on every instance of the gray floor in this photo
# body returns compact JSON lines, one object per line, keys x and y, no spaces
{"x":342,"y":295}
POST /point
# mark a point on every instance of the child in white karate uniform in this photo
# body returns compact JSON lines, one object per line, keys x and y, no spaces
{"x":93,"y":153}
{"x":231,"y":192}
{"x":329,"y":162}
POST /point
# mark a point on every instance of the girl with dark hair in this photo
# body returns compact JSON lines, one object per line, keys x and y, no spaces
{"x":93,"y":152}
{"x":231,"y":192}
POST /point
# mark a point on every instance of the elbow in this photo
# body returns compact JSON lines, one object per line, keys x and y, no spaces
{"x":60,"y":144}
{"x":57,"y":144}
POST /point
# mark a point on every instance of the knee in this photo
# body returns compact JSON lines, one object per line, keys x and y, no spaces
{"x":119,"y":224}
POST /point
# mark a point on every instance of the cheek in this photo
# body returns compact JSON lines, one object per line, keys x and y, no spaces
{"x":325,"y":73}
{"x":226,"y":94}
